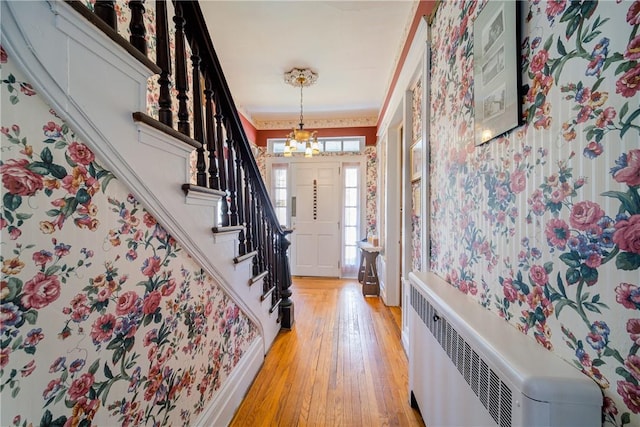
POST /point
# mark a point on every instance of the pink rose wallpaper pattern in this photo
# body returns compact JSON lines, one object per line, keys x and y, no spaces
{"x":105,"y":320}
{"x":416,"y":186}
{"x":549,"y":214}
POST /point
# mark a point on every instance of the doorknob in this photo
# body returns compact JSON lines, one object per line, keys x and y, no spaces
{"x":293,"y":205}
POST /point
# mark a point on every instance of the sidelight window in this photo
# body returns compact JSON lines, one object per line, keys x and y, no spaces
{"x":351,"y":219}
{"x":280,"y":192}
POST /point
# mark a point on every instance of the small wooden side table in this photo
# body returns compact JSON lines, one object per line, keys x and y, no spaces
{"x":368,"y":272}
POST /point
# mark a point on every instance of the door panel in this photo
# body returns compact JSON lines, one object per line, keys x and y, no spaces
{"x":315,"y":241}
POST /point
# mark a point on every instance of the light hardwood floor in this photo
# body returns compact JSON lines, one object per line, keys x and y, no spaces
{"x":341,"y":365}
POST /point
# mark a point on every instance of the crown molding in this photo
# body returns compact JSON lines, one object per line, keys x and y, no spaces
{"x":317,"y":123}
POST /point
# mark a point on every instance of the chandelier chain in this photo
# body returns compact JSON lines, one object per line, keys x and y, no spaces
{"x":301,"y":77}
{"x":301,"y":121}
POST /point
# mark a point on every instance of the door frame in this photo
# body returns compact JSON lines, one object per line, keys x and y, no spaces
{"x":392,"y":211}
{"x":359,"y":159}
{"x":415,"y":63}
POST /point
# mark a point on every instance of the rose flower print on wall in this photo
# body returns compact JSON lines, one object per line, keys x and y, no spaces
{"x":105,"y":319}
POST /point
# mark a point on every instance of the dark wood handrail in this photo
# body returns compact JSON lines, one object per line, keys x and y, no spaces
{"x":192,"y":13}
{"x":110,"y":31}
{"x":225,"y":163}
{"x":198,"y":34}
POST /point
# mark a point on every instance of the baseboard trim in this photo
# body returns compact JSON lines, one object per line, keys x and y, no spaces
{"x":223,"y":407}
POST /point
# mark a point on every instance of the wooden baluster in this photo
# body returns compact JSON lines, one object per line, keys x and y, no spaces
{"x":286,"y":305}
{"x":268,"y":253}
{"x":275,"y":265}
{"x":211,"y":135}
{"x":260,"y":236}
{"x":136,"y":25}
{"x":254,"y":227}
{"x":198,"y":124}
{"x":163,"y":59}
{"x":240,"y":200}
{"x":248,"y":212}
{"x":181,"y":72}
{"x":220,"y":156}
{"x":265,"y":256}
{"x":105,"y":9}
{"x":231,"y":181}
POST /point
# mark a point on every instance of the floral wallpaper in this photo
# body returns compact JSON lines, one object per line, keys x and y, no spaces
{"x":416,"y":226}
{"x":153,"y":92}
{"x":416,"y":186}
{"x":105,"y":320}
{"x":123,"y":14}
{"x":547,"y":218}
{"x":416,"y":111}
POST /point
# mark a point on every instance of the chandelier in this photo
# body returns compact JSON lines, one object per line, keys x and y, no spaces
{"x":301,"y":77}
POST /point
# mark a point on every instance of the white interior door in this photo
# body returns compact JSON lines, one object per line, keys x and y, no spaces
{"x":315,"y":219}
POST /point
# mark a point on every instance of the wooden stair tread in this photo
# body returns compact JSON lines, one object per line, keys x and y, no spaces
{"x":258,"y":277}
{"x":188,"y":188}
{"x":140,"y":117}
{"x":241,"y":258}
{"x":267,"y":294}
{"x":227,"y":229}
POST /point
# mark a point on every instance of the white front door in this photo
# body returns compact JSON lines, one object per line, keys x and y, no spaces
{"x":315,"y":219}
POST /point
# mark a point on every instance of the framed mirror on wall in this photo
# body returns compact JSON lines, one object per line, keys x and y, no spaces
{"x":496,"y":70}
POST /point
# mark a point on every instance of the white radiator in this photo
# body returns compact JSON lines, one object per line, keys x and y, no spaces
{"x":469,"y":367}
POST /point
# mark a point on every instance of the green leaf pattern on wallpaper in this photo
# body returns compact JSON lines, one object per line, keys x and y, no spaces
{"x":549,"y":215}
{"x":105,"y":320}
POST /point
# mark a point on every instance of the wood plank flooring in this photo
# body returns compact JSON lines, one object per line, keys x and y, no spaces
{"x":341,"y":365}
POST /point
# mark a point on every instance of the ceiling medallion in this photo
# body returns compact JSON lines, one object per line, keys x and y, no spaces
{"x":301,"y":77}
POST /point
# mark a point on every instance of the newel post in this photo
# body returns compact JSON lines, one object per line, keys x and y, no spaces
{"x":286,"y":305}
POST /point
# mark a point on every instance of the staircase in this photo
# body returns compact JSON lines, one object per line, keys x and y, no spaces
{"x":98,"y":82}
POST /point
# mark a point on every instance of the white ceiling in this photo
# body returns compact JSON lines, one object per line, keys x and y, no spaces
{"x":352,"y":45}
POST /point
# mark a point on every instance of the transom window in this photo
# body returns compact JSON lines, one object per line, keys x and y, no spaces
{"x":327,"y":145}
{"x":279,"y":192}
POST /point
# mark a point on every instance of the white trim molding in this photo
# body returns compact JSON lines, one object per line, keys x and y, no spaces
{"x":228,"y":398}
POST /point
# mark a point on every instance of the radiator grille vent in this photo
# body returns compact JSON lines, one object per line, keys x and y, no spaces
{"x":494,"y":397}
{"x":493,"y":393}
{"x":460,"y":361}
{"x":467,"y":363}
{"x":484,"y":382}
{"x":475,"y":372}
{"x":505,"y":410}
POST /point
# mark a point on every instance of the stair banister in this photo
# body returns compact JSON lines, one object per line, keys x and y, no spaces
{"x":216,"y":125}
{"x":197,"y":29}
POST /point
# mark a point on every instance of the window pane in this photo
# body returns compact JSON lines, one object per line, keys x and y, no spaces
{"x":279,"y":177}
{"x":351,"y":177}
{"x":279,"y":191}
{"x":281,"y":197}
{"x":281,"y":213}
{"x":333,"y":145}
{"x":351,"y":217}
{"x":351,"y":197}
{"x":350,"y":255}
{"x":349,"y":235}
{"x":278,"y":147}
{"x":351,"y":145}
{"x":300,"y":147}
